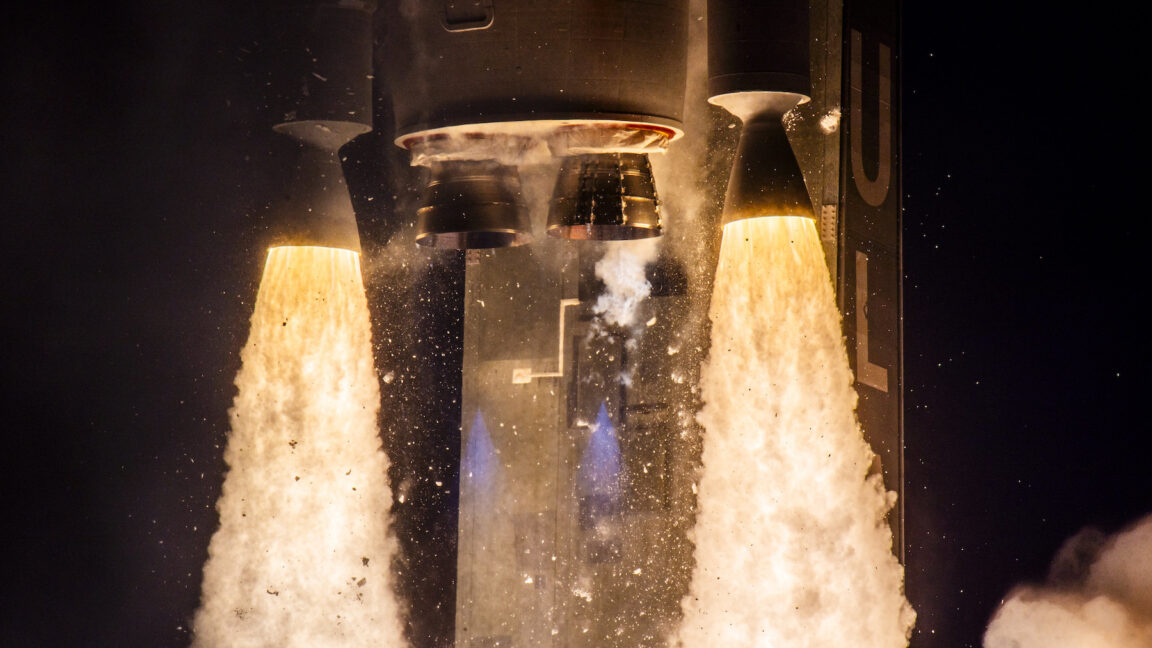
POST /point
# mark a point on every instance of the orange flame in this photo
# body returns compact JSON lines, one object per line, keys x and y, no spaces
{"x":792,"y":548}
{"x":303,"y":552}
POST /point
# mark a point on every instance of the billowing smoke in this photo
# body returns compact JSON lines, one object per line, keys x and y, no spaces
{"x":303,"y":552}
{"x":792,"y":546}
{"x":622,"y":269}
{"x":1098,"y":595}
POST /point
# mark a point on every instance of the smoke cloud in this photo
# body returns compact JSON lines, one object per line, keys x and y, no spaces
{"x":1098,"y":595}
{"x":622,"y":269}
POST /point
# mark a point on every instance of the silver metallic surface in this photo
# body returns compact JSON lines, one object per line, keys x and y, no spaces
{"x":472,"y":204}
{"x":607,"y":196}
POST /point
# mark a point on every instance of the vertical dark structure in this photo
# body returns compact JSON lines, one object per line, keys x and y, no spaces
{"x":500,"y":350}
{"x":870,"y":274}
{"x":475,"y":90}
{"x":322,"y":90}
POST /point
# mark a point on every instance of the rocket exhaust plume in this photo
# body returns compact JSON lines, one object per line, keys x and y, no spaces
{"x":1098,"y":595}
{"x":303,"y":552}
{"x":792,"y":546}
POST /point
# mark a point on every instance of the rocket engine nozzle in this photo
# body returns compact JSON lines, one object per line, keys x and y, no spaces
{"x":766,"y":179}
{"x":315,"y":208}
{"x":759,"y":75}
{"x":605,"y":196}
{"x":473,"y":204}
{"x":324,"y":91}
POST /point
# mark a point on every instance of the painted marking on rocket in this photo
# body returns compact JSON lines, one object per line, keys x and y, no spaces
{"x":524,"y":375}
{"x":867,"y":372}
{"x":873,"y":190}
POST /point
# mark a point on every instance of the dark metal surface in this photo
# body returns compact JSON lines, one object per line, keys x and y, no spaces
{"x":766,"y":179}
{"x":608,"y":196}
{"x":453,"y":63}
{"x":758,"y":45}
{"x":324,"y":88}
{"x":473,"y":205}
{"x":314,"y":208}
{"x":871,"y":261}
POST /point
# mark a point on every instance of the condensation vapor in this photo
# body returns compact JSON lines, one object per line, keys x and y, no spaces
{"x":792,"y":547}
{"x":1098,"y":595}
{"x":303,"y":552}
{"x":622,"y":269}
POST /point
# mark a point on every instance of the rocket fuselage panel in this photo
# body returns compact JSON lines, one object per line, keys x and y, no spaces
{"x":518,"y":60}
{"x":870,"y":276}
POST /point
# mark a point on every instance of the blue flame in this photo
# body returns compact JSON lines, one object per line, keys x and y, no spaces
{"x":600,"y":469}
{"x":480,"y":463}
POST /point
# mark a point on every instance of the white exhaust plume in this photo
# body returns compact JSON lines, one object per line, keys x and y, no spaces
{"x":303,"y":552}
{"x":792,"y":547}
{"x":622,"y":269}
{"x":1099,"y":595}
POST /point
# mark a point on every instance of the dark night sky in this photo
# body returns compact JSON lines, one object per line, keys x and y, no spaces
{"x":131,"y":151}
{"x":1026,"y":352}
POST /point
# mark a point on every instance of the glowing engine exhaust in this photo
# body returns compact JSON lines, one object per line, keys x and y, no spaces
{"x":303,"y":554}
{"x":792,"y":546}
